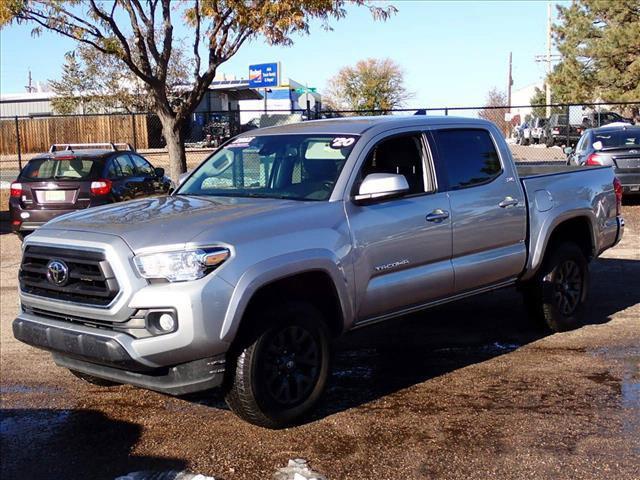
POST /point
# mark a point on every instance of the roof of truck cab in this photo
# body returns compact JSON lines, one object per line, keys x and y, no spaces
{"x":359,"y":125}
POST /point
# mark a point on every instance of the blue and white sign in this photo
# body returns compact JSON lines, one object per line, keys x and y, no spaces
{"x":264,"y":75}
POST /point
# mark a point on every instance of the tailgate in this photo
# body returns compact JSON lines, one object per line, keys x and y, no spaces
{"x":66,"y":196}
{"x":52,"y":195}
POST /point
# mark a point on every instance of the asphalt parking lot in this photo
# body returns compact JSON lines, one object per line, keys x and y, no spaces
{"x":469,"y":390}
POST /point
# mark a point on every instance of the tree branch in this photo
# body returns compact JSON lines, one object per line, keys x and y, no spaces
{"x":139,"y":38}
{"x":128,"y":57}
{"x":196,"y":42}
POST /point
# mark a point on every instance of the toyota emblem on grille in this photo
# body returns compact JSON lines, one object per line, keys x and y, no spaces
{"x":57,"y":272}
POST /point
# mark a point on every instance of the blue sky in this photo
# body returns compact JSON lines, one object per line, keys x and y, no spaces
{"x":452,"y":53}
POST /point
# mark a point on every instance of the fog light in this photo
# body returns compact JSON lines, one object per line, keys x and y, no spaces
{"x":166,"y":322}
{"x":161,"y":321}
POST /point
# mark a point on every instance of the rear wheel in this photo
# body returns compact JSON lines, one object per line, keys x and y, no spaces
{"x":557,"y":294}
{"x":94,"y":380}
{"x":281,"y":371}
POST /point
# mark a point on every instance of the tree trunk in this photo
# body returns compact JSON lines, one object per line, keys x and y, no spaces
{"x":172,"y":131}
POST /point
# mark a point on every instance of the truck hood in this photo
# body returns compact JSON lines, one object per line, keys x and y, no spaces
{"x":170,"y":221}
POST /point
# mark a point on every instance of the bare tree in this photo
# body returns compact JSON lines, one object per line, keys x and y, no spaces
{"x":140,"y":34}
{"x":496,"y":98}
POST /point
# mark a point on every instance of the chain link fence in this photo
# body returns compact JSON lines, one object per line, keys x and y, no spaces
{"x":530,"y":137}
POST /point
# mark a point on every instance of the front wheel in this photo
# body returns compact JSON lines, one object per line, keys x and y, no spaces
{"x":281,"y":372}
{"x":557,"y":294}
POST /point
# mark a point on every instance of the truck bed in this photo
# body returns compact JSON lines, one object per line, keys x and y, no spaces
{"x":534,"y":169}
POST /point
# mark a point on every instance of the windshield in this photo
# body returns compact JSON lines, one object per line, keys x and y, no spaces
{"x":618,"y":139}
{"x":57,"y":169}
{"x":297,"y":167}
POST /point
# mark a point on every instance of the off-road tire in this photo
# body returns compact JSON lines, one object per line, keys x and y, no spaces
{"x":101,"y":382}
{"x":263,"y":355}
{"x":556,"y":296}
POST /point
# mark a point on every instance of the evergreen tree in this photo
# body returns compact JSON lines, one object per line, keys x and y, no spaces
{"x":599,"y":44}
{"x":73,"y":90}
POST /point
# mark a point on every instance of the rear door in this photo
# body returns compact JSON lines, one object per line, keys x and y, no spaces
{"x":128,"y":183}
{"x":488,"y":211}
{"x":145,"y":170}
{"x":402,"y":245}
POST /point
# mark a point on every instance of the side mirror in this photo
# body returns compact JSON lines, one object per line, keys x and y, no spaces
{"x":159,"y":172}
{"x":377,"y":186}
{"x":568,"y":150}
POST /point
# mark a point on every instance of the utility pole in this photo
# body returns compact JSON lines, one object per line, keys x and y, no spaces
{"x":548,"y":112}
{"x":30,"y":88}
{"x":548,"y":58}
{"x":509,"y":83}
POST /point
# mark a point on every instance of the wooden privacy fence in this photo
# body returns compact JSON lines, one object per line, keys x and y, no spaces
{"x":38,"y":134}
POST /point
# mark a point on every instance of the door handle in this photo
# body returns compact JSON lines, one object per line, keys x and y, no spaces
{"x":437,"y":215}
{"x":508,"y":202}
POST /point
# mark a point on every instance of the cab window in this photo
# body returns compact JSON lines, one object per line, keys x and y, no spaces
{"x":468,"y":156}
{"x":399,"y":155}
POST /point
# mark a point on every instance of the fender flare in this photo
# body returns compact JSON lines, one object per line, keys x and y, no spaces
{"x":538,"y":246}
{"x":278,"y":268}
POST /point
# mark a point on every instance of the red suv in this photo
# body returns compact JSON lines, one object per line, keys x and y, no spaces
{"x":77,"y":176}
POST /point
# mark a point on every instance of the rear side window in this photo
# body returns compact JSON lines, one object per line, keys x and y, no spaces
{"x":468,"y":156}
{"x":142,"y":166}
{"x":55,"y":169}
{"x":125,"y":166}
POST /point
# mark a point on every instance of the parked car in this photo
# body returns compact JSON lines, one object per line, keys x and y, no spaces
{"x":537,"y":129}
{"x":600,"y":119}
{"x":72,"y":177}
{"x":612,"y":145}
{"x":558,"y":131}
{"x":242,"y":284}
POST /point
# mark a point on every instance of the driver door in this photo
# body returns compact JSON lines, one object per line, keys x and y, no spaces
{"x":402,"y":246}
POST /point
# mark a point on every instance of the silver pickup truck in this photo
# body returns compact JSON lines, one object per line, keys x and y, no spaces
{"x":288,"y":236}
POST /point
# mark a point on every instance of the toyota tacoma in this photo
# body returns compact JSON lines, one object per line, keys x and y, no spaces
{"x":289,"y":236}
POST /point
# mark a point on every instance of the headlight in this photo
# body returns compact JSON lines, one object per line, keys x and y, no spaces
{"x":181,"y":265}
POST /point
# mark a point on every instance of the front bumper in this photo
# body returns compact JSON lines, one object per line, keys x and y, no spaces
{"x":102,"y":355}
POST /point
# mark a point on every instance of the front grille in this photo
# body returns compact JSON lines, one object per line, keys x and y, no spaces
{"x":90,"y":278}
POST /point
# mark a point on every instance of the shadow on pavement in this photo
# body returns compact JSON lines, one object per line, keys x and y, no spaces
{"x":57,"y":444}
{"x":385,"y":358}
{"x":397,"y":354}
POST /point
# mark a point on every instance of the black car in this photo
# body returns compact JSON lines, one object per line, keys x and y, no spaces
{"x":73,"y":177}
{"x":615,"y":145}
{"x":559,"y":131}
